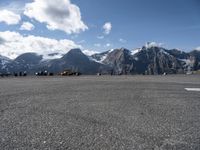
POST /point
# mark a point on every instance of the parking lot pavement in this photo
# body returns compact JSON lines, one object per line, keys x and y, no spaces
{"x":90,"y":112}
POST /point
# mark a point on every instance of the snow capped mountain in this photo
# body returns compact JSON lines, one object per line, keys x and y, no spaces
{"x":149,"y":59}
{"x":76,"y":60}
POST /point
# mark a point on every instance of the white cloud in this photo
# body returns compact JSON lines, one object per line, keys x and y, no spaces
{"x":27,"y":26}
{"x":108,"y":45}
{"x":13,"y":44}
{"x":9,"y":17}
{"x":89,"y":52}
{"x":57,"y":14}
{"x":100,"y":37}
{"x":122,"y":40}
{"x":97,"y":45}
{"x":107,"y":28}
{"x":153,"y":44}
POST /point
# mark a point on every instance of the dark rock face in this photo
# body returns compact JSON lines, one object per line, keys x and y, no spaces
{"x":147,"y":60}
{"x":26,"y":62}
{"x":178,"y":54}
{"x":155,"y":61}
{"x":195,"y":59}
{"x":120,"y":60}
{"x":75,"y":60}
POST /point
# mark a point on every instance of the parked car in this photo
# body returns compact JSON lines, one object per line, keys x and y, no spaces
{"x":70,"y":73}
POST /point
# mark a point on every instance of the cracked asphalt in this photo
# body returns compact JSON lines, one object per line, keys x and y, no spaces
{"x":100,"y":113}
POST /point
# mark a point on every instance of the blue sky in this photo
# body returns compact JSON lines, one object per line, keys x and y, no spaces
{"x":174,"y":23}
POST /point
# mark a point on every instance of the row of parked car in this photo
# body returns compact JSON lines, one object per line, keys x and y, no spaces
{"x":15,"y":74}
{"x":64,"y":73}
{"x":44,"y":73}
{"x":41,"y":73}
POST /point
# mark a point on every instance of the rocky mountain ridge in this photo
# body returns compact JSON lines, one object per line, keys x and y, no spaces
{"x":146,"y":60}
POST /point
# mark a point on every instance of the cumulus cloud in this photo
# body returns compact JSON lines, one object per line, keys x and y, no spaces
{"x":57,"y":15}
{"x":9,"y":17}
{"x":27,"y":26}
{"x":13,"y":44}
{"x":107,"y":28}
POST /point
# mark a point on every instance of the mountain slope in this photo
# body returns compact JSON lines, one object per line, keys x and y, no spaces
{"x":26,"y":62}
{"x":120,"y":60}
{"x":4,"y":61}
{"x":77,"y":61}
{"x":195,"y":59}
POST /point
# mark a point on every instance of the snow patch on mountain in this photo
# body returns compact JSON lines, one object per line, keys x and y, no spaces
{"x":110,"y":51}
{"x":163,"y":51}
{"x":187,"y":62}
{"x":102,"y":56}
{"x":101,"y":59}
{"x":4,"y":61}
{"x":135,"y":51}
{"x":105,"y":56}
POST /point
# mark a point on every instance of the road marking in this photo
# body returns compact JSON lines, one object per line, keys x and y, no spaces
{"x":193,"y":89}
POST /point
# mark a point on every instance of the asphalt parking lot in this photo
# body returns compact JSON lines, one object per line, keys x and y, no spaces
{"x":93,"y":113}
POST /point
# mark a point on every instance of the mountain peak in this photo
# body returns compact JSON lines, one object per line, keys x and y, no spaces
{"x":76,"y":51}
{"x":3,"y":57}
{"x":121,"y":50}
{"x":29,"y":58}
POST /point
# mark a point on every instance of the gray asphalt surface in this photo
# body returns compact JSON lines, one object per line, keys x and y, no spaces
{"x":93,"y":113}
